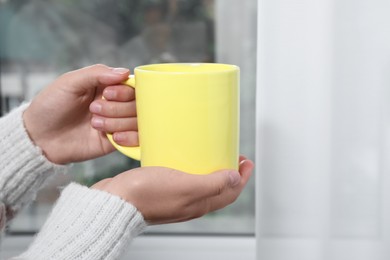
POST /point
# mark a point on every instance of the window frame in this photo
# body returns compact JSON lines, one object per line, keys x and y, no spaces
{"x":165,"y":247}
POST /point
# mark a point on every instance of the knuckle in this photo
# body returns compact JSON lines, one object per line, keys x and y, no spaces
{"x":111,"y":109}
{"x":99,"y":65}
{"x":105,"y":124}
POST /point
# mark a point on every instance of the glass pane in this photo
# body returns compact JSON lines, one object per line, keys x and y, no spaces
{"x":43,"y":39}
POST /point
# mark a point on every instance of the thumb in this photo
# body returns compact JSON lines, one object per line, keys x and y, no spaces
{"x":217,"y":183}
{"x":229,"y":195}
{"x":95,"y":76}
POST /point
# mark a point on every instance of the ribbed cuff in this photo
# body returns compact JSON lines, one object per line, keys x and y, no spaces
{"x":23,"y":167}
{"x":87,"y":224}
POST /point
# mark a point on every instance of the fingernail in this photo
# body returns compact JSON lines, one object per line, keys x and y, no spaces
{"x":119,"y":137}
{"x":235,"y":178}
{"x":95,"y":108}
{"x":120,"y":70}
{"x":97,"y":122}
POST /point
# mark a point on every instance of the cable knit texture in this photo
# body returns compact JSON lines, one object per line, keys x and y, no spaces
{"x":23,"y":167}
{"x":86,"y":224}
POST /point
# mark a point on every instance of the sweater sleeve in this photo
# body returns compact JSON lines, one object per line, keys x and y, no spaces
{"x":86,"y":224}
{"x":23,"y":167}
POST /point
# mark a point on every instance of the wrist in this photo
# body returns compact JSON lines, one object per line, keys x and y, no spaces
{"x":39,"y":138}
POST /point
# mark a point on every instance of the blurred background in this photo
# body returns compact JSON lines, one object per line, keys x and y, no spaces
{"x":39,"y":40}
{"x":315,"y":107}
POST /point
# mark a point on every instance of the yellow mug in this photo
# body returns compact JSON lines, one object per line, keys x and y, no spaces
{"x":188,"y":116}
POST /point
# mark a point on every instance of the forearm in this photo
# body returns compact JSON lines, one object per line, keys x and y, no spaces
{"x":23,"y":168}
{"x":86,"y":224}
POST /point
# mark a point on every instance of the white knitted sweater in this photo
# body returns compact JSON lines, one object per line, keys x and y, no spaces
{"x":84,"y":223}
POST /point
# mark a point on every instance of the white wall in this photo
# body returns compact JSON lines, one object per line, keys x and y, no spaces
{"x":323,"y":121}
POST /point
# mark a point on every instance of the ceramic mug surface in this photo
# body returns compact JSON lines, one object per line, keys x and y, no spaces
{"x":188,"y":116}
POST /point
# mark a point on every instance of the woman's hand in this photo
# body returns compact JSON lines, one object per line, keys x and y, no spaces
{"x":116,"y":114}
{"x":59,"y":118}
{"x":165,"y":195}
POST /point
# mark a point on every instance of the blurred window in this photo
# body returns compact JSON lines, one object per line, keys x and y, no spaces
{"x":39,"y":40}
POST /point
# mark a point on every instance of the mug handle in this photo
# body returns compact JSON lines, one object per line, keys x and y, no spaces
{"x":130,"y":151}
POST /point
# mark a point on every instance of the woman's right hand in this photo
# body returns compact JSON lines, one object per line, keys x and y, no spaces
{"x":165,"y":195}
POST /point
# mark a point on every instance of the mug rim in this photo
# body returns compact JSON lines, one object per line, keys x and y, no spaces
{"x":223,"y":68}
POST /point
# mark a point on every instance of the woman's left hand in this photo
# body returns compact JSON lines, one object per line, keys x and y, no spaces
{"x":58,"y":119}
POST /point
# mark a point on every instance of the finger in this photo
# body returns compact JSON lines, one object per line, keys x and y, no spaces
{"x":230,"y":195}
{"x":194,"y":191}
{"x":212,"y":192}
{"x":120,"y":93}
{"x":111,"y":125}
{"x":93,"y":76}
{"x":213,"y":184}
{"x":113,"y":109}
{"x":246,"y":168}
{"x":241,"y":158}
{"x":129,"y":138}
